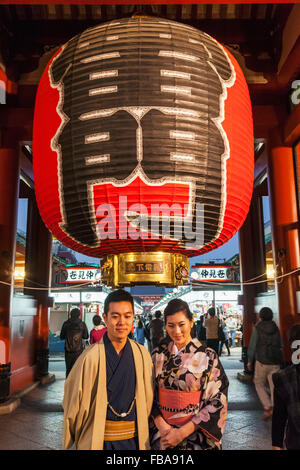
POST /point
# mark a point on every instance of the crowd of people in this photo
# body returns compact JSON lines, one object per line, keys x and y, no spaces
{"x":213,"y":329}
{"x":171,"y":394}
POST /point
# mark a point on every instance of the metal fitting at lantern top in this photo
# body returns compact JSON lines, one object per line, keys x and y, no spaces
{"x":158,"y":268}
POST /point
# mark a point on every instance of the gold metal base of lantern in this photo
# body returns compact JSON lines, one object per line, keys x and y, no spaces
{"x":158,"y":268}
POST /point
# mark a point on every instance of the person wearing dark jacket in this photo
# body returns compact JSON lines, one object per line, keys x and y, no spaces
{"x":73,"y":332}
{"x":286,"y":412}
{"x":265,"y":348}
{"x":156,"y":330}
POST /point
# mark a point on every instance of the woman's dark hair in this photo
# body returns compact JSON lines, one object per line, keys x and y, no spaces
{"x":266,"y":314}
{"x":294,"y":333}
{"x":119,"y":295}
{"x":176,"y":306}
{"x":140,"y":324}
{"x":96,"y":320}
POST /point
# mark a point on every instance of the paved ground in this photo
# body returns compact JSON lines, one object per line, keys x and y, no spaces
{"x":37,"y":423}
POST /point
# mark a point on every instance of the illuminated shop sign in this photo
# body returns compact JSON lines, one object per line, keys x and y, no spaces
{"x":226,"y":295}
{"x":206,"y":296}
{"x":215,"y":273}
{"x":66,"y":297}
{"x":81,"y":274}
{"x":93,"y":296}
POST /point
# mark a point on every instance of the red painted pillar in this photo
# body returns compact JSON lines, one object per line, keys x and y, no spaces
{"x":38,"y":275}
{"x":285,"y":231}
{"x":9,"y":193}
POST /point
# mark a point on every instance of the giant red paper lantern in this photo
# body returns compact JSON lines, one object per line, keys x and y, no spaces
{"x":142,"y":111}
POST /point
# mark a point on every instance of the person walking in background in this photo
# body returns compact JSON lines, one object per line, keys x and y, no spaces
{"x":225,"y":340}
{"x":265,"y":348}
{"x":211,"y":323}
{"x":231,"y":324}
{"x":140,"y":333}
{"x":286,"y":411}
{"x":98,"y":331}
{"x":156,"y":330}
{"x":200,"y":330}
{"x":73,"y":331}
{"x":147,"y":331}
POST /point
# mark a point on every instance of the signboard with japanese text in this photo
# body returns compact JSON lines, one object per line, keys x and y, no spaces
{"x":227,"y":296}
{"x":217,"y":273}
{"x":79,"y":274}
{"x":149,"y":268}
{"x":205,"y":295}
{"x":93,"y":296}
{"x":66,"y":297}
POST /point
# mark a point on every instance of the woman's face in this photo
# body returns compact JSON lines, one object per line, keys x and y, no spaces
{"x":178,"y":327}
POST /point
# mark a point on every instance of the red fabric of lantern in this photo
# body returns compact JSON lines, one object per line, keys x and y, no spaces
{"x":140,"y":123}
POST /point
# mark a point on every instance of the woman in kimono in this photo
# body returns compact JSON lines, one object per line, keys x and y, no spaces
{"x":190,"y":405}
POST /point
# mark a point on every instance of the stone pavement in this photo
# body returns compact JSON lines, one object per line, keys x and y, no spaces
{"x":37,"y":422}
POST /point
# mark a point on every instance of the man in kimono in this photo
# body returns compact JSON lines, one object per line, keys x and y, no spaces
{"x":109,"y":393}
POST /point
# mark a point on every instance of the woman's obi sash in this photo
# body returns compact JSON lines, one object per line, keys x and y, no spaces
{"x":178,"y":407}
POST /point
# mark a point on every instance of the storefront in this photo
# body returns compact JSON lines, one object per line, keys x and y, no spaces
{"x":199,"y":301}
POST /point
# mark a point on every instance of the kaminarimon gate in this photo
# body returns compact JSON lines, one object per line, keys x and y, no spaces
{"x":264,"y":39}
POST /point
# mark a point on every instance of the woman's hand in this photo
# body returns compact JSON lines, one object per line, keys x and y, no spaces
{"x":162,"y":426}
{"x":164,"y":429}
{"x":172,"y":438}
{"x":177,"y":435}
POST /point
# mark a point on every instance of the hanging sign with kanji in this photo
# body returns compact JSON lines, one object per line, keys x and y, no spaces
{"x":216,"y":273}
{"x":79,"y":274}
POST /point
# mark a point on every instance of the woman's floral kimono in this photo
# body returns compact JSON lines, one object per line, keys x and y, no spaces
{"x":193,"y":368}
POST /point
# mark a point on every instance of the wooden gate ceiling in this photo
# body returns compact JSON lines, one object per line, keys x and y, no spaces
{"x":252,"y":31}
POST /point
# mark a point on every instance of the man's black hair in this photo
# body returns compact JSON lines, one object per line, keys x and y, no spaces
{"x":266,"y":314}
{"x":211,"y":311}
{"x":75,"y":313}
{"x":119,"y":295}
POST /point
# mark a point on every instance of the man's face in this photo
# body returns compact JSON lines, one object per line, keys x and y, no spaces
{"x":119,"y":320}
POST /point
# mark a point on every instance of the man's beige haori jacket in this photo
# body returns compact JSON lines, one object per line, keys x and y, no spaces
{"x":85,"y":398}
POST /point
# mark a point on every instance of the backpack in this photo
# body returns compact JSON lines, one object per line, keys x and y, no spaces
{"x":268,"y":346}
{"x":156,"y":329}
{"x":273,"y":353}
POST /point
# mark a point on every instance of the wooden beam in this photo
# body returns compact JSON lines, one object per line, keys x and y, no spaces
{"x":291,"y":67}
{"x":15,"y":117}
{"x":230,"y":31}
{"x":266,"y":118}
